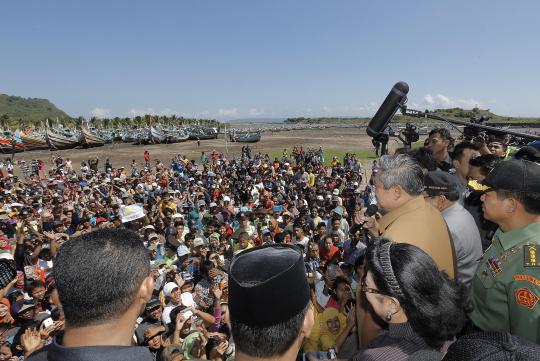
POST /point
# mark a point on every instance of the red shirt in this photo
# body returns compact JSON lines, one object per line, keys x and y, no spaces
{"x":327,"y":255}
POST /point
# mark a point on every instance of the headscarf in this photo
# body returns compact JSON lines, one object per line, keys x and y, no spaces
{"x":328,"y":339}
{"x":188,"y":344}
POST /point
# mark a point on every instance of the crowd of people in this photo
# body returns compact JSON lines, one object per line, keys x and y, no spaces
{"x":430,"y":251}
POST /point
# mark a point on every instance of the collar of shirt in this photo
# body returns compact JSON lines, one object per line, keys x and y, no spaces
{"x":56,"y":352}
{"x":516,"y":236}
{"x":401,"y":330}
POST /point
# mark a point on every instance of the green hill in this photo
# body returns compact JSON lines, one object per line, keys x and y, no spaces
{"x":29,"y":109}
{"x":467,"y":114}
{"x":454,"y":113}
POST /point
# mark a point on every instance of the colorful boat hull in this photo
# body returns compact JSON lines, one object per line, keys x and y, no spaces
{"x":59,"y":142}
{"x":89,"y":139}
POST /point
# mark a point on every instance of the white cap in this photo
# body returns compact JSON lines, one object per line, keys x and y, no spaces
{"x":336,"y":192}
{"x":198,"y":241}
{"x":182,"y":250}
{"x":6,"y":255}
{"x":226,"y":199}
{"x":320,"y":198}
{"x":169,"y":288}
{"x":187,"y":299}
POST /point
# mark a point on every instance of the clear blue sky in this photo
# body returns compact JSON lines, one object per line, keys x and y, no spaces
{"x":231,"y":59}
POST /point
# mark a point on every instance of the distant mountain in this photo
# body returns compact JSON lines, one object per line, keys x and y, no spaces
{"x":476,"y":113}
{"x":454,"y":113}
{"x":29,"y":109}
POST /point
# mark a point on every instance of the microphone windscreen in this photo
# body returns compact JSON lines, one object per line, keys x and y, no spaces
{"x":391,"y":104}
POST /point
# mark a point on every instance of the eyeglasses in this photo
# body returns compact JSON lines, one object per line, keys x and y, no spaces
{"x":364,"y":288}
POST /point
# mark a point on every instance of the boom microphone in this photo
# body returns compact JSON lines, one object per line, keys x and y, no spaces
{"x":389,"y":107}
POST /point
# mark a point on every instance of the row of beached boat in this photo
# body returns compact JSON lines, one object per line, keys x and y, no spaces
{"x":64,"y":138}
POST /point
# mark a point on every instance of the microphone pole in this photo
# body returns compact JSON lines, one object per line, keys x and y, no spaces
{"x":420,"y":114}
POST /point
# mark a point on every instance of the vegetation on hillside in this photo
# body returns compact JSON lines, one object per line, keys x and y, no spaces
{"x":454,"y":113}
{"x":23,"y":113}
{"x":29,"y":108}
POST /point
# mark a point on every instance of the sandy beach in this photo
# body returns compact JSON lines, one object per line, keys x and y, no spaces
{"x":121,"y":154}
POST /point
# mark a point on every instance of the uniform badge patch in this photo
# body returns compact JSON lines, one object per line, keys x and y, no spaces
{"x":531,"y":255}
{"x":535,"y":281}
{"x":494,"y":266}
{"x":526,"y":298}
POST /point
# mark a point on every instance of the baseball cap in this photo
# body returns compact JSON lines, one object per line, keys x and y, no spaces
{"x":198,"y":241}
{"x":152,"y":305}
{"x":21,"y":306}
{"x":169,"y":288}
{"x":515,"y":175}
{"x":529,"y":153}
{"x":436,"y":182}
{"x":182,"y":250}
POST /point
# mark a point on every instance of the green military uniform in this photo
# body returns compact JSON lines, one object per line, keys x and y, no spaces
{"x":506,"y":287}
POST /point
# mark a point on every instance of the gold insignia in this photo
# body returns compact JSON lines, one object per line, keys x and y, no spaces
{"x":531,"y":255}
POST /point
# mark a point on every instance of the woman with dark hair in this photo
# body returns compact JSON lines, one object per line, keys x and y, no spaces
{"x":422,"y":307}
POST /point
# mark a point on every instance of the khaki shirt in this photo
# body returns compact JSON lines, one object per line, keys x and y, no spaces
{"x":418,"y":223}
{"x":506,"y":287}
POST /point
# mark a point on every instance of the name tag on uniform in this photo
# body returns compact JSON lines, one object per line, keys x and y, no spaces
{"x":531,"y":255}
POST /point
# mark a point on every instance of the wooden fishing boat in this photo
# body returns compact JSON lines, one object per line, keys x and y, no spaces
{"x":9,"y":144}
{"x":246,"y":137}
{"x":201,"y":134}
{"x":58,"y":141}
{"x":157,"y":136}
{"x":88,"y":139}
{"x":33,"y":141}
{"x":176,"y":136}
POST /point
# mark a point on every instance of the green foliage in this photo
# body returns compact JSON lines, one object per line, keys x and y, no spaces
{"x":455,"y":113}
{"x":328,"y":154}
{"x":330,"y":120}
{"x":22,"y":113}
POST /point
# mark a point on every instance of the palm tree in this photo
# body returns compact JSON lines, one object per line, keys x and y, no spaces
{"x":4,"y":121}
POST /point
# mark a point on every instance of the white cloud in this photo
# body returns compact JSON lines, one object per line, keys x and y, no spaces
{"x":100,"y":112}
{"x":133,"y":112}
{"x":445,"y":101}
{"x":255,"y":112}
{"x":429,"y":99}
{"x":232,"y":112}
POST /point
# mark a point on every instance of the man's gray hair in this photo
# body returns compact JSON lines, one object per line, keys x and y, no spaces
{"x":403,"y":170}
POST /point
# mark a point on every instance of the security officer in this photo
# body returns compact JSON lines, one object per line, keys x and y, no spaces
{"x":506,"y":287}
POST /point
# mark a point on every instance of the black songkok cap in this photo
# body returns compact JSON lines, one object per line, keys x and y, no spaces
{"x":267,"y":285}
